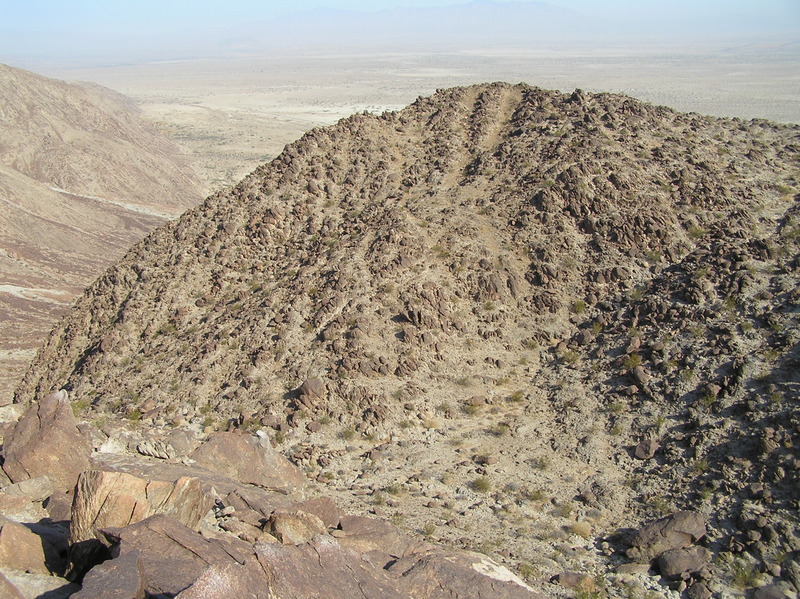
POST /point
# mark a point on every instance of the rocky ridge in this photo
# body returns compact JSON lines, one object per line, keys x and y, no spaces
{"x":509,"y":319}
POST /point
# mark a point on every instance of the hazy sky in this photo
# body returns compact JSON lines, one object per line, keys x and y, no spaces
{"x":167,"y":14}
{"x":60,"y":29}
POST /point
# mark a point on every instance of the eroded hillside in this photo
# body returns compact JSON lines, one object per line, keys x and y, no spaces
{"x":515,"y":320}
{"x":82,"y":178}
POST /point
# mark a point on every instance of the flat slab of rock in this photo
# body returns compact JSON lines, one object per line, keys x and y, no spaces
{"x":46,"y":442}
{"x":9,"y":590}
{"x":228,"y":581}
{"x":443,"y":573}
{"x":301,"y":571}
{"x":169,"y":557}
{"x":249,"y":459}
{"x":35,"y":586}
{"x":35,"y":489}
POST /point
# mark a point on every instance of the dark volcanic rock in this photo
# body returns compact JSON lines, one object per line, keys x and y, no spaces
{"x":169,"y":557}
{"x":682,"y":562}
{"x":682,"y":529}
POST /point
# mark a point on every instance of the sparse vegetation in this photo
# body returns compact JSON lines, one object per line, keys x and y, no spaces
{"x":480,"y":484}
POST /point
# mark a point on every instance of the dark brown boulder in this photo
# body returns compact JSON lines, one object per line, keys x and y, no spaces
{"x":46,"y":442}
{"x":681,"y":563}
{"x":169,"y":556}
{"x":300,"y":572}
{"x":120,"y":577}
{"x":678,"y":530}
{"x":646,"y":449}
{"x":229,"y":581}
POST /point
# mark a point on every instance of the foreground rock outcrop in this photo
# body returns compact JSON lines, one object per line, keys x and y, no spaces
{"x":514,"y":321}
{"x":47,"y":442}
{"x":149,"y":535}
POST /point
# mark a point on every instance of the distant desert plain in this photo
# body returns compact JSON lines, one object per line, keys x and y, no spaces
{"x":230,"y":115}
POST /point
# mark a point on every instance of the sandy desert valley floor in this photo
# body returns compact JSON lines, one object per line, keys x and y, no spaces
{"x":231,"y":115}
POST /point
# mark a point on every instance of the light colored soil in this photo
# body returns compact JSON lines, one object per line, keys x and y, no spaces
{"x":230,"y":116}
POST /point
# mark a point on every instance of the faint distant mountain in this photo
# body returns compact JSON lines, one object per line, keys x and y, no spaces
{"x":82,"y":177}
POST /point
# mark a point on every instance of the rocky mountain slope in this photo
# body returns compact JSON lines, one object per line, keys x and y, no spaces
{"x":82,"y":178}
{"x":511,"y":320}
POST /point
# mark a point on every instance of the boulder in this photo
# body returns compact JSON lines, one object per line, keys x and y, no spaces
{"x":22,"y":549}
{"x":8,"y":590}
{"x":444,"y":573}
{"x":115,"y":499}
{"x":167,"y":557}
{"x":364,"y":534}
{"x":34,"y":489}
{"x":313,"y":389}
{"x":248,"y":459}
{"x":120,"y":577}
{"x":771,"y":592}
{"x":21,"y":509}
{"x":646,"y":449}
{"x":228,"y":581}
{"x":46,"y":442}
{"x":681,"y":563}
{"x":699,"y":590}
{"x":576,"y":580}
{"x":302,"y":571}
{"x":36,"y":586}
{"x":678,"y":530}
{"x":324,"y":508}
{"x":295,"y":527}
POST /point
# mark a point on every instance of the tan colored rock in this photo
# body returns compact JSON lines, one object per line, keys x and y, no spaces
{"x":9,"y":590}
{"x":46,"y":442}
{"x":22,"y":549}
{"x":115,"y":499}
{"x":294,"y":527}
{"x":34,"y":489}
{"x":250,"y":460}
{"x":21,"y":509}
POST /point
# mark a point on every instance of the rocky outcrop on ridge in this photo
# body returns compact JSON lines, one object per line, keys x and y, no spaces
{"x":511,"y":320}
